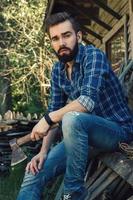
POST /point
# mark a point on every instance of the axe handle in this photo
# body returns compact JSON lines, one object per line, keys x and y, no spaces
{"x":24,"y":139}
{"x":27,"y":138}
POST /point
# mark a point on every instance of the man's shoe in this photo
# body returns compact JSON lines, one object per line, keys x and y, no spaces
{"x":76,"y":195}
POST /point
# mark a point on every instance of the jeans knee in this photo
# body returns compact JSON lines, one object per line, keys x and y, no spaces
{"x":70,"y":122}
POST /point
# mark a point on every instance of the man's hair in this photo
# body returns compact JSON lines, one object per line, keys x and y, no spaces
{"x":60,"y":17}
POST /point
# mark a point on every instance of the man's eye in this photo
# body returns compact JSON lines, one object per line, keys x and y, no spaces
{"x":54,"y":39}
{"x":67,"y":35}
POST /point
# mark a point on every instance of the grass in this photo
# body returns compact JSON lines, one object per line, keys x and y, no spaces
{"x":10,"y":185}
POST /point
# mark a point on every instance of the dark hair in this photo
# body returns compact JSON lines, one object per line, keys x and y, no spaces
{"x":59,"y":17}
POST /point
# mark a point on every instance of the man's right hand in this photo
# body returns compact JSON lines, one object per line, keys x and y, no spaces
{"x":40,"y":130}
{"x":35,"y":165}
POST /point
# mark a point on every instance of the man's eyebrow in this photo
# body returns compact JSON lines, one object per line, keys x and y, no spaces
{"x":56,"y":36}
{"x":66,"y":32}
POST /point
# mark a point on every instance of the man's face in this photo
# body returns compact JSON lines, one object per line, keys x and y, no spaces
{"x":64,"y":41}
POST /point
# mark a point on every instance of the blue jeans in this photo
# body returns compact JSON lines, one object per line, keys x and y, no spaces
{"x":80,"y":130}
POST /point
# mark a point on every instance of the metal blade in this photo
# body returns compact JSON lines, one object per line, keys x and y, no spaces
{"x":17,"y":153}
{"x":17,"y":156}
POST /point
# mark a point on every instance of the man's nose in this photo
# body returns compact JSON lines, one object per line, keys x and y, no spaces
{"x":62,"y":42}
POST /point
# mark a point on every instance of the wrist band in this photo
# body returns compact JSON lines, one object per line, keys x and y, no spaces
{"x":48,"y":120}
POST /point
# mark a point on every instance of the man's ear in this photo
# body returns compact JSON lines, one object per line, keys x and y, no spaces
{"x":79,"y":36}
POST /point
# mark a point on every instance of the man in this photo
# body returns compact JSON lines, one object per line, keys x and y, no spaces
{"x":88,"y":99}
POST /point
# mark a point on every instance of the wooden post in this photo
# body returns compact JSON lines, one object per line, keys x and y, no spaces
{"x":131,"y":24}
{"x":130,"y":7}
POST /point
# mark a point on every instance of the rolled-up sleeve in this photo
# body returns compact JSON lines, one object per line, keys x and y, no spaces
{"x":95,"y":67}
{"x":87,"y":102}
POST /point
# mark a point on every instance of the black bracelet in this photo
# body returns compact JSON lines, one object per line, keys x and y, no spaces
{"x":48,"y":120}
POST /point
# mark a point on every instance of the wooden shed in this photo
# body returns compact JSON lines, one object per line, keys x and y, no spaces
{"x":107,"y":24}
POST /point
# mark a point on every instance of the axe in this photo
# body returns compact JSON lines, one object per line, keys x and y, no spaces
{"x":17,"y":153}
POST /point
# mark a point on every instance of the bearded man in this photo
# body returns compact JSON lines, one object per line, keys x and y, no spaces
{"x":88,"y":101}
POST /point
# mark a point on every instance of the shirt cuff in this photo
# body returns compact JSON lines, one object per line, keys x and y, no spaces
{"x":87,"y":102}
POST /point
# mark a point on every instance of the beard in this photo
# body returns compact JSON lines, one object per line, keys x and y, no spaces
{"x":67,"y":57}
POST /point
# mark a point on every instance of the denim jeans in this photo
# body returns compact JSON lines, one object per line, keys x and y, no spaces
{"x":80,"y":130}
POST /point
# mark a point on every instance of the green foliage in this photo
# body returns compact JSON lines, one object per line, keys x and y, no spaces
{"x":27,"y":52}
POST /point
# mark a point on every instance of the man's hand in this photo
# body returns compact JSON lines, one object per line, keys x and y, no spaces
{"x":36,"y":163}
{"x":40,"y":130}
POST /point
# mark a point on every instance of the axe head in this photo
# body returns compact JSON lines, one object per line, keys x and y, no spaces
{"x":17,"y":153}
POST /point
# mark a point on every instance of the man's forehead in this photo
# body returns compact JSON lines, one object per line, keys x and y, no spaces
{"x":61,"y":28}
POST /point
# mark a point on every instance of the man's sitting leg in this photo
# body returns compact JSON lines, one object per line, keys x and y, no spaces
{"x":33,"y":185}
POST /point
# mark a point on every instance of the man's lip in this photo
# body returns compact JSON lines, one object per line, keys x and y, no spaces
{"x":63,"y":50}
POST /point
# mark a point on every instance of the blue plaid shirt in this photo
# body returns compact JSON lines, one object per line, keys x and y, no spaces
{"x":95,"y":86}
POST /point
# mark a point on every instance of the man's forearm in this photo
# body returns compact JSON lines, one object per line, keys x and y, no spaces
{"x":56,"y":116}
{"x":48,"y":140}
{"x":41,"y":129}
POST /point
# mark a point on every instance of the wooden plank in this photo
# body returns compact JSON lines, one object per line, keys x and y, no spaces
{"x":113,"y":176}
{"x":126,"y":38}
{"x":100,"y":179}
{"x":119,"y":7}
{"x":107,"y":9}
{"x":81,"y":12}
{"x":88,"y":30}
{"x":114,"y":30}
{"x":87,"y":175}
{"x":118,"y":188}
{"x":60,"y":191}
{"x":131,"y":34}
{"x":130,"y":7}
{"x":120,"y":164}
{"x":123,"y":191}
{"x":130,"y":55}
{"x":95,"y":176}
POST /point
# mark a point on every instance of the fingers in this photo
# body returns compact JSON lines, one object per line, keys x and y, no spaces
{"x":32,"y":167}
{"x":40,"y":130}
{"x":35,"y":136}
{"x":40,"y":163}
{"x":28,"y":168}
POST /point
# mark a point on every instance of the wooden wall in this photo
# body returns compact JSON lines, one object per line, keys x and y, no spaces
{"x":126,"y":10}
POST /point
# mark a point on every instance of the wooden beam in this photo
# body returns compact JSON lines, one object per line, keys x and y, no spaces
{"x":126,"y":38}
{"x":86,"y":29}
{"x":48,"y":12}
{"x":116,"y":28}
{"x":130,"y":6}
{"x":50,"y":7}
{"x":119,"y":163}
{"x":107,"y":9}
{"x":97,"y":20}
{"x":82,"y":12}
{"x":90,"y":16}
{"x":131,"y":35}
